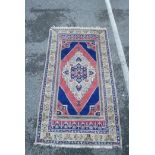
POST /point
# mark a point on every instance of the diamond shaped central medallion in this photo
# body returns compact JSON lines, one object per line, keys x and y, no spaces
{"x":78,"y":74}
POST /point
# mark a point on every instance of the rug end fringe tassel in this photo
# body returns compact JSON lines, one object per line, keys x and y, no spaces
{"x":81,"y":28}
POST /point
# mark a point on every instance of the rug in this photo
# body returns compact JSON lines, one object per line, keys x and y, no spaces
{"x":78,"y":105}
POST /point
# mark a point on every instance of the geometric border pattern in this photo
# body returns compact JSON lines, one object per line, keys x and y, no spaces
{"x":111,"y":137}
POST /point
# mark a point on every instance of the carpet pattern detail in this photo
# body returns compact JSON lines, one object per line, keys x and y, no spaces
{"x":78,"y":105}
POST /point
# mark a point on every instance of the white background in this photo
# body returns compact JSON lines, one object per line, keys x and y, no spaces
{"x":141,"y":85}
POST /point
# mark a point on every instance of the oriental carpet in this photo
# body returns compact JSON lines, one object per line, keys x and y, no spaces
{"x":78,"y":105}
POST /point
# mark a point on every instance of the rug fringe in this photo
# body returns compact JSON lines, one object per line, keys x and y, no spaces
{"x":79,"y":146}
{"x":81,"y":28}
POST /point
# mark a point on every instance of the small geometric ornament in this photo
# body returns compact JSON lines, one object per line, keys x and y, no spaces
{"x":78,"y":106}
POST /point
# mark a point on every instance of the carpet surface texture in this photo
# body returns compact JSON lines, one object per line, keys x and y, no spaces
{"x":78,"y":104}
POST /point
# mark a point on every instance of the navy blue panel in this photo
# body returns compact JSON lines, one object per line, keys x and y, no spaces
{"x":92,"y":101}
{"x":64,"y":100}
{"x":90,"y":51}
{"x":65,"y":51}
